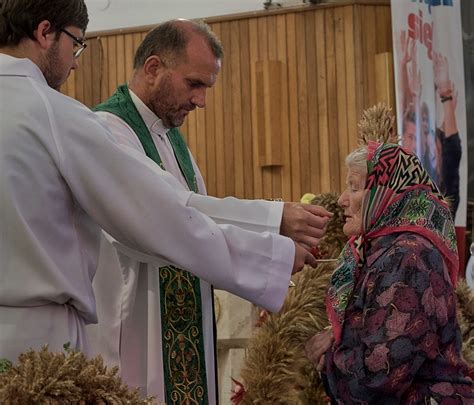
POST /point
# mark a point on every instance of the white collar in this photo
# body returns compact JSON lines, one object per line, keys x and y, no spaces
{"x":11,"y":66}
{"x":153,"y":123}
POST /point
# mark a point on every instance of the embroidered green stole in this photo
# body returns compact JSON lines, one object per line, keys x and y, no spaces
{"x":180,"y":295}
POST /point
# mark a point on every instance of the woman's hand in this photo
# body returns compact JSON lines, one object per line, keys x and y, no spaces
{"x":317,"y":346}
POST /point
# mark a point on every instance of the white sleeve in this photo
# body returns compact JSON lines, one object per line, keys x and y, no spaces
{"x":141,"y":206}
{"x":253,"y":215}
{"x":120,"y":130}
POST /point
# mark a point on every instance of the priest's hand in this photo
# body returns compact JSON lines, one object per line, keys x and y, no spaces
{"x":304,"y":223}
{"x":317,"y":346}
{"x":302,"y":257}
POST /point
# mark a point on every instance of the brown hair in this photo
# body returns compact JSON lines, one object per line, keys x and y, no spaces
{"x":20,"y":18}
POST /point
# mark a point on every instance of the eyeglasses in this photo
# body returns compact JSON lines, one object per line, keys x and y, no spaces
{"x":79,"y":44}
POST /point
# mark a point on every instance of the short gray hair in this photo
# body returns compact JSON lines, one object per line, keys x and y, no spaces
{"x":169,"y":40}
{"x":358,"y":158}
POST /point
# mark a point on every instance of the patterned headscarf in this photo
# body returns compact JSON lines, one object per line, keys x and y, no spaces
{"x":400,"y":197}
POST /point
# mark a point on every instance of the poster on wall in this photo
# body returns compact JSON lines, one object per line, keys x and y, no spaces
{"x":429,"y":79}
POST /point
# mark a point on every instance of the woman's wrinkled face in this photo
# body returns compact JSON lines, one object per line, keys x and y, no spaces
{"x":351,"y":200}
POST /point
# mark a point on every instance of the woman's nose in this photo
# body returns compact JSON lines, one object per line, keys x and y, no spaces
{"x":342,"y":200}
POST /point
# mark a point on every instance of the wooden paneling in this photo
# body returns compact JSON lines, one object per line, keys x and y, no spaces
{"x":383,"y":77}
{"x":333,"y":62}
{"x":269,"y":115}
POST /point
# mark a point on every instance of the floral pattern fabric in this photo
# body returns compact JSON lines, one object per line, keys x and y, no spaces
{"x":400,"y":340}
{"x":400,"y":197}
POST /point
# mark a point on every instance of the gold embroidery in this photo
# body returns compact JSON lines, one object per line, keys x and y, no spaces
{"x":182,"y":337}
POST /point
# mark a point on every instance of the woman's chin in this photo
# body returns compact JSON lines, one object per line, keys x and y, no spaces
{"x":351,"y":229}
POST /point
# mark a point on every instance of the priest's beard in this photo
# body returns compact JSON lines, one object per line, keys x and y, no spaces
{"x":165,"y":105}
{"x":54,"y":71}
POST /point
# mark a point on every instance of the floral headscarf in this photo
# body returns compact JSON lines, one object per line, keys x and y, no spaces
{"x":401,"y":197}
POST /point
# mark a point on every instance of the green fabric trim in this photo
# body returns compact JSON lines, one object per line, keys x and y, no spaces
{"x":185,"y":163}
{"x":184,"y":366}
{"x":121,"y":105}
{"x":182,"y":338}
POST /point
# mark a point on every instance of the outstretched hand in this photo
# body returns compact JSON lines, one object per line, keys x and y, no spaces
{"x":302,"y":257}
{"x":304,"y":223}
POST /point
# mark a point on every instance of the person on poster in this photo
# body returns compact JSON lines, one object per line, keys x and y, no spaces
{"x":447,"y":135}
{"x":416,"y":113}
{"x":440,"y":150}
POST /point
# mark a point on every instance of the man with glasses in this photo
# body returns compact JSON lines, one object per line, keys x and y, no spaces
{"x":79,"y":44}
{"x":63,"y":177}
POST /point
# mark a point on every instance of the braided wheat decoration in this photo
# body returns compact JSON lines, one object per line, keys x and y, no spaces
{"x":377,"y":124}
{"x":43,"y":377}
{"x":276,"y":370}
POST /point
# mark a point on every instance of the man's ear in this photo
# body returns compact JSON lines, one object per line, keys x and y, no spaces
{"x":153,"y":66}
{"x":43,"y":34}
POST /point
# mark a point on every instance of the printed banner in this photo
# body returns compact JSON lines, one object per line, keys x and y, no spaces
{"x":429,"y":78}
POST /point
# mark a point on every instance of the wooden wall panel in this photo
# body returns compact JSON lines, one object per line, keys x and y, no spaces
{"x":262,"y":39}
{"x":246,"y":95}
{"x":218,"y":91}
{"x":254,"y":158}
{"x":236,"y":110}
{"x":301,"y":87}
{"x":284,"y":171}
{"x":314,"y":140}
{"x":327,"y":55}
{"x":322,"y":166}
{"x":112,"y":64}
{"x":122,"y":58}
{"x":228,"y":101}
{"x":332,"y":97}
{"x":353,"y":97}
{"x":369,"y":38}
{"x":209,"y":134}
{"x":275,"y":171}
{"x":295,"y":161}
{"x":341,"y":68}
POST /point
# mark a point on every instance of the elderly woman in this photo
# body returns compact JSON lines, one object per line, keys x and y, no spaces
{"x":391,"y":302}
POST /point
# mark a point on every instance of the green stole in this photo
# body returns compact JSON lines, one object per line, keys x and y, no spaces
{"x":184,"y":366}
